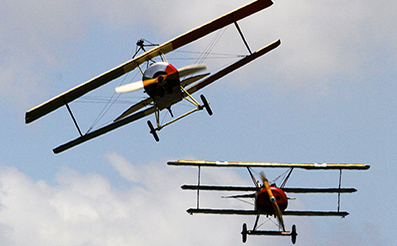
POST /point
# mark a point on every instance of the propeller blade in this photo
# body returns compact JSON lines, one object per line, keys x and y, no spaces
{"x":185,"y":71}
{"x":130,"y":87}
{"x":191,"y":69}
{"x":279,"y":215}
{"x":273,"y":200}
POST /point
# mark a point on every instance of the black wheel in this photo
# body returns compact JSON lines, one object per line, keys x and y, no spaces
{"x":293,"y":234}
{"x":206,"y":105}
{"x":153,"y":131}
{"x":244,"y":233}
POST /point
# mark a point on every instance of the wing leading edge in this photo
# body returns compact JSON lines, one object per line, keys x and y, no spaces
{"x":80,"y":90}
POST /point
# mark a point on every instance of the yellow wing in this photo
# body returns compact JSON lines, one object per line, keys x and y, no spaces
{"x":354,"y":166}
{"x":78,"y":91}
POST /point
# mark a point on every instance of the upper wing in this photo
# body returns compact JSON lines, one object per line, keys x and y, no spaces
{"x":355,"y":166}
{"x":169,"y":46}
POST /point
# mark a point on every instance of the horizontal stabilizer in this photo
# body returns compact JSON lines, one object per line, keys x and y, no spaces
{"x":248,"y":195}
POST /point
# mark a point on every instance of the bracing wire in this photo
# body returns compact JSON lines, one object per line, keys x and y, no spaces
{"x":210,"y":46}
{"x":281,"y":175}
{"x":112,"y":100}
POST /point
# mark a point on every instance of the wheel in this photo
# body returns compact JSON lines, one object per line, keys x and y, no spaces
{"x":244,"y":233}
{"x":293,"y":234}
{"x":153,"y":131}
{"x":206,"y":105}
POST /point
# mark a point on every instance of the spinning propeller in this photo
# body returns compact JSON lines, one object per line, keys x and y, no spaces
{"x":273,"y":200}
{"x":185,"y":71}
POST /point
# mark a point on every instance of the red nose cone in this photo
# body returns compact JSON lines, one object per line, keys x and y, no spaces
{"x":263,"y":202}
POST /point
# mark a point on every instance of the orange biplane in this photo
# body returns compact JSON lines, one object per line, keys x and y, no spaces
{"x":164,"y":84}
{"x":269,"y":199}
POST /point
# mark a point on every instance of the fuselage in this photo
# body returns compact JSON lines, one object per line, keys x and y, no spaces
{"x":165,"y":93}
{"x":263,"y":203}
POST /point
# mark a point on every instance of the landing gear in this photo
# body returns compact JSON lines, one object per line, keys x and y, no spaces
{"x":198,"y":107}
{"x":244,"y":233}
{"x":153,"y":131}
{"x":205,"y":104}
{"x":293,"y":234}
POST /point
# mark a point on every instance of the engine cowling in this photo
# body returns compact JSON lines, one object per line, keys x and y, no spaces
{"x":155,"y":70}
{"x":263,"y":203}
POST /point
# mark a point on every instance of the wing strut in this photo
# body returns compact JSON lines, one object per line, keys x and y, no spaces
{"x":198,"y":187}
{"x":340,"y":184}
{"x":242,"y":36}
{"x":286,"y":178}
{"x":73,"y":118}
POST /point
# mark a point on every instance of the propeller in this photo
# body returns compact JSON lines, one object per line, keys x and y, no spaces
{"x":273,"y":200}
{"x":185,"y":71}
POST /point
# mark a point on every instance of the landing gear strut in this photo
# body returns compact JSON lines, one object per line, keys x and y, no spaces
{"x":199,"y":107}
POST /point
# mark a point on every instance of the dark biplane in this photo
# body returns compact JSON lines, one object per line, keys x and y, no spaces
{"x":269,"y":199}
{"x":164,"y":84}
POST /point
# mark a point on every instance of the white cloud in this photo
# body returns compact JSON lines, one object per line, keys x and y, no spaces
{"x":123,"y":167}
{"x":86,"y":209}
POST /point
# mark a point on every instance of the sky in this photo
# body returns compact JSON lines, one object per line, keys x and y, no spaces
{"x":326,"y":94}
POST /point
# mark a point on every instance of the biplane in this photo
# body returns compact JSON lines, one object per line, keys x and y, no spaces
{"x":269,"y":199}
{"x":163,"y":83}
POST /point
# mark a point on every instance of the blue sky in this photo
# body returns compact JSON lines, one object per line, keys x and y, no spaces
{"x":325,"y":95}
